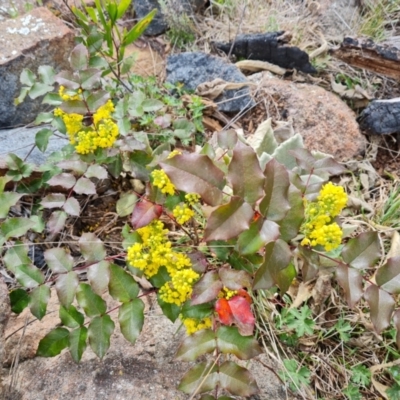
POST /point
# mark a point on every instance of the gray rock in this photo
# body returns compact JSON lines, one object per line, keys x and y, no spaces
{"x":37,"y":38}
{"x":192,"y":69}
{"x":21,"y":140}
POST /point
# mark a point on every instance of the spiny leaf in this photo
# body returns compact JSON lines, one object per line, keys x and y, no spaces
{"x":28,"y":275}
{"x":228,"y":220}
{"x":263,"y":140}
{"x":145,"y":212}
{"x":56,"y":222}
{"x":122,"y":286}
{"x":92,"y":248}
{"x":39,"y":298}
{"x":91,"y":303}
{"x":200,"y":378}
{"x":72,"y":207}
{"x":53,"y":200}
{"x":244,"y":164}
{"x":7,"y":200}
{"x":71,"y":317}
{"x":79,"y":57}
{"x":89,"y":78}
{"x":230,"y":341}
{"x":196,"y":173}
{"x":66,"y":285}
{"x":282,"y":152}
{"x":242,"y":314}
{"x":223,"y":309}
{"x":275,"y":204}
{"x":99,"y":276}
{"x":381,"y":305}
{"x":363,"y":251}
{"x":53,"y":343}
{"x":77,"y":166}
{"x":96,"y":171}
{"x":58,"y":260}
{"x":200,"y":343}
{"x":227,"y":139}
{"x":99,"y":333}
{"x":19,"y":299}
{"x":235,"y":280}
{"x":207,"y":288}
{"x":131,"y":319}
{"x":237,"y":380}
{"x":16,"y":255}
{"x":15,"y":227}
{"x":84,"y":186}
{"x":65,"y":180}
{"x":77,"y":342}
{"x":388,"y":276}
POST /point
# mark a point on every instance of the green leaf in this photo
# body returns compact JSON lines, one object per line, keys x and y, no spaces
{"x":84,"y":186}
{"x":300,"y":321}
{"x":15,"y":227}
{"x":350,"y":280}
{"x":39,"y":89}
{"x":388,"y":276}
{"x":245,"y":163}
{"x":38,"y":303}
{"x":363,"y":251}
{"x":42,"y":139}
{"x":99,"y":276}
{"x":284,"y":277}
{"x":229,"y":220}
{"x":19,"y":300}
{"x":138,"y":29}
{"x":381,"y":306}
{"x":198,"y":311}
{"x":28,"y":275}
{"x":77,"y":166}
{"x":72,"y":207}
{"x":122,"y":286}
{"x":56,"y":222}
{"x":277,"y":257}
{"x":53,"y":343}
{"x":89,"y":78}
{"x":200,"y":378}
{"x":263,"y":140}
{"x":79,"y":58}
{"x":227,"y":139}
{"x":96,"y":171}
{"x":282,"y":153}
{"x":122,"y":7}
{"x":196,"y":345}
{"x":152,"y":105}
{"x":27,"y":77}
{"x":237,"y":380}
{"x":195,"y":173}
{"x":58,"y":260}
{"x":275,"y":204}
{"x":92,"y":248}
{"x":66,"y":285}
{"x":65,"y":180}
{"x":16,"y":255}
{"x":131,"y":318}
{"x":258,"y":235}
{"x":235,"y":280}
{"x":171,"y":311}
{"x":77,"y":342}
{"x":74,"y":107}
{"x":96,"y":99}
{"x":91,"y":303}
{"x":99,"y":333}
{"x":53,"y":200}
{"x":71,"y":317}
{"x":47,"y":74}
{"x":230,"y":341}
{"x":7,"y":200}
{"x":294,"y":375}
{"x":126,"y":203}
{"x":207,"y":288}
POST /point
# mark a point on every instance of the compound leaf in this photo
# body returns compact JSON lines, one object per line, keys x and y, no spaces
{"x":58,"y":260}
{"x":131,"y":319}
{"x":28,"y":275}
{"x":92,"y":248}
{"x":71,"y":317}
{"x":91,"y":303}
{"x":99,"y":333}
{"x":122,"y":286}
{"x":200,"y":378}
{"x":237,"y":380}
{"x":77,"y":342}
{"x":200,"y":343}
{"x":99,"y":276}
{"x":66,"y":285}
{"x":39,"y":298}
{"x":53,"y":343}
{"x":19,"y":299}
{"x":363,"y":251}
{"x":207,"y":288}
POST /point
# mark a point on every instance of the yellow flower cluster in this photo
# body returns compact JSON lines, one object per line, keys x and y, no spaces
{"x":156,"y":251}
{"x":192,"y":198}
{"x":226,"y":293}
{"x":174,"y":153}
{"x":101,"y":134}
{"x":66,"y":96}
{"x":193,"y":325}
{"x":318,"y":228}
{"x":161,"y":180}
{"x":182,"y":213}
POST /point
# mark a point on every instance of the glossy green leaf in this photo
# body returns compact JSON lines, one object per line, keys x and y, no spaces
{"x":71,"y":317}
{"x":196,"y":345}
{"x":72,"y":207}
{"x":91,"y":303}
{"x":40,"y":296}
{"x":58,"y":260}
{"x":84,"y":186}
{"x":99,"y":276}
{"x":66,"y":286}
{"x":19,"y":300}
{"x":65,"y":180}
{"x":47,"y":74}
{"x":27,"y":77}
{"x":284,"y":277}
{"x":28,"y":275}
{"x":79,"y":57}
{"x":283,"y":154}
{"x":39,"y":89}
{"x":126,"y":203}
{"x":198,"y":311}
{"x":381,"y":306}
{"x":363,"y":251}
{"x":245,"y":164}
{"x":92,"y":248}
{"x":235,"y":280}
{"x":77,"y":342}
{"x":7,"y":200}
{"x":89,"y":78}
{"x":229,"y":220}
{"x":131,"y":318}
{"x":57,"y":221}
{"x":99,"y":333}
{"x":16,"y":255}
{"x":53,"y":343}
{"x":15,"y":227}
{"x":139,"y":28}
{"x":42,"y":139}
{"x":275,"y":203}
{"x":195,"y":173}
{"x":122,"y":7}
{"x":230,"y":341}
{"x":122,"y":286}
{"x":200,"y":378}
{"x":258,"y":235}
{"x":171,"y":311}
{"x":237,"y":380}
{"x":277,"y":257}
{"x":207,"y":288}
{"x":388,"y":276}
{"x":96,"y":99}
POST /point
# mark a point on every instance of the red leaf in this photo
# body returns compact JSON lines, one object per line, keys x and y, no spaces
{"x":243,"y":293}
{"x":145,"y":212}
{"x":242,"y":314}
{"x":224,"y":311}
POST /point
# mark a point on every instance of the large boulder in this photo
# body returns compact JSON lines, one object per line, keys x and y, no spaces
{"x":34,"y":39}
